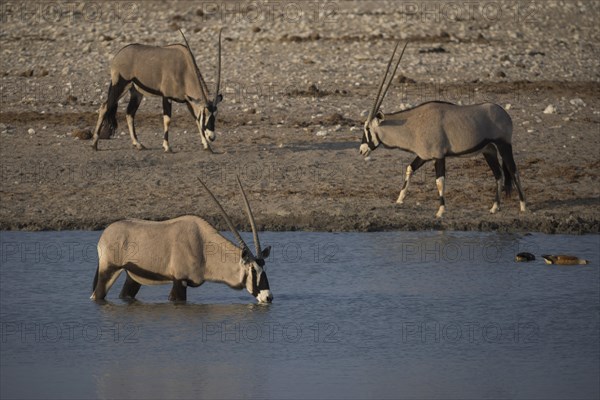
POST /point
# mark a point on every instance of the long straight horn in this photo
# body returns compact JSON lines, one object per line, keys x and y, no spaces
{"x":218,"y":83}
{"x":251,"y":218}
{"x":392,"y":77}
{"x":226,"y":217}
{"x":203,"y":87}
{"x":376,"y":101}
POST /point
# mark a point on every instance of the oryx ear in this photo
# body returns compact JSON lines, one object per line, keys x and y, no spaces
{"x":380,"y":115}
{"x":246,"y":255}
{"x":219,"y":98}
{"x":265,"y":253}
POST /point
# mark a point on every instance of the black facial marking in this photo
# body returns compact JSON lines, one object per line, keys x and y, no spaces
{"x":210,"y":124}
{"x":264,"y":282}
{"x":259,"y":282}
{"x":255,"y":290}
{"x":367,"y":138}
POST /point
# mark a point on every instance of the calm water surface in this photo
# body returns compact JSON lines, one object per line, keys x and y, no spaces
{"x":355,"y":315}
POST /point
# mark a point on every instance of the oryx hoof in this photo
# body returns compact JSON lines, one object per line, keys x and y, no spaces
{"x":209,"y":149}
{"x":139,"y":146}
{"x":495,"y":208}
{"x":440,"y":212}
{"x":399,"y":202}
{"x":168,"y":149}
{"x":522,"y":206}
{"x":95,"y":146}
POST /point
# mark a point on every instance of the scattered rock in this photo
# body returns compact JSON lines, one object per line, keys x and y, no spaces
{"x":322,"y":133}
{"x":438,"y":49}
{"x":536,"y":53}
{"x":106,"y":38}
{"x":334,"y":119}
{"x":82,"y":134}
{"x":500,"y":74}
{"x":577,"y":102}
{"x":256,"y":29}
{"x":405,"y":79}
{"x":31,"y":131}
{"x":200,"y":12}
{"x":550,"y":109}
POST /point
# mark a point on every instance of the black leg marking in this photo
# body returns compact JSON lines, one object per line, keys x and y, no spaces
{"x":179,"y":291}
{"x":509,"y":165}
{"x":105,"y":280}
{"x":491,"y":156}
{"x":135,"y":99}
{"x":414,"y":165}
{"x":107,"y":115}
{"x":130,"y":288}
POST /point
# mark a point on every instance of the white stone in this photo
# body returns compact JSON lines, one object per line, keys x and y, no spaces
{"x":550,"y":109}
{"x":31,"y":131}
{"x":577,"y":102}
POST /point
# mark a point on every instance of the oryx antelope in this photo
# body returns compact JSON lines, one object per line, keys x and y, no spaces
{"x":436,"y":130}
{"x":170,"y":72}
{"x":186,"y":251}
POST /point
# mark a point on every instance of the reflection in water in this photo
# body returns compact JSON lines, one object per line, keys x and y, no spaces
{"x":386,"y":315}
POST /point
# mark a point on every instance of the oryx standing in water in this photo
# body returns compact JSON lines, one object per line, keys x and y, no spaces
{"x":170,"y":72}
{"x":436,"y":130}
{"x":186,"y":251}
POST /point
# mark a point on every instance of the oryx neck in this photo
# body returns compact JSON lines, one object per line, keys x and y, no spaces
{"x":222,"y":260}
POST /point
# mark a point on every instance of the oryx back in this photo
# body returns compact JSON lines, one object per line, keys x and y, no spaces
{"x":161,"y":71}
{"x":436,"y":130}
{"x":157,"y":252}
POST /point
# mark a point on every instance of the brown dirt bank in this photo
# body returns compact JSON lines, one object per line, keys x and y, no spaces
{"x":297,"y":180}
{"x":295,"y":94}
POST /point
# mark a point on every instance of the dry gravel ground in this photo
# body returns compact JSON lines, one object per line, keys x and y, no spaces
{"x":298,"y":78}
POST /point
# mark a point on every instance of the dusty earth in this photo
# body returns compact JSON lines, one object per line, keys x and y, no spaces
{"x":298,"y":78}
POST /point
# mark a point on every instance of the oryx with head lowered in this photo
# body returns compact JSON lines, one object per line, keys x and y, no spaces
{"x":186,"y":251}
{"x":436,"y":130}
{"x":170,"y":72}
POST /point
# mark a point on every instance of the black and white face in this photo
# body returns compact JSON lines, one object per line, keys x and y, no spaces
{"x":370,"y":141}
{"x":257,"y":282}
{"x":208,"y":119}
